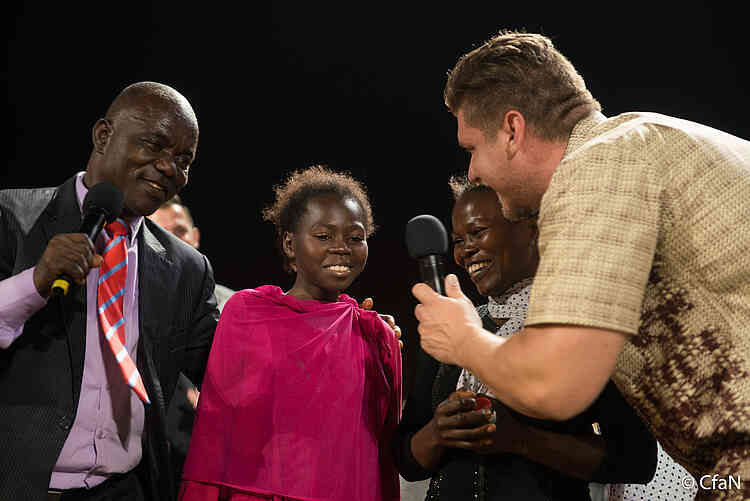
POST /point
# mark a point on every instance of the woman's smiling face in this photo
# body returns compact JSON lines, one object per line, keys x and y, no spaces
{"x":495,"y":252}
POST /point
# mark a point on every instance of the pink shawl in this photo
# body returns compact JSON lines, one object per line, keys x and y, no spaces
{"x":300,"y":400}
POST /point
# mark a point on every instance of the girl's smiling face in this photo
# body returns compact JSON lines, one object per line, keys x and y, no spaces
{"x":328,"y":248}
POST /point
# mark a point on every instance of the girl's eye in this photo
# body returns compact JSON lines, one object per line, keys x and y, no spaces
{"x":322,"y":236}
{"x":478,"y":231}
{"x":358,"y":239}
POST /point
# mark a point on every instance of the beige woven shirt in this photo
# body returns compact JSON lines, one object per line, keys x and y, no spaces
{"x":645,"y":230}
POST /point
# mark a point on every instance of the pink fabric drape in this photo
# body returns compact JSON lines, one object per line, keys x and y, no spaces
{"x":299,"y":400}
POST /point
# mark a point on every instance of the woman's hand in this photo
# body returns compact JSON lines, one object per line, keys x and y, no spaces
{"x":456,"y":423}
{"x":459,"y":422}
{"x":368,"y":303}
{"x":504,"y":434}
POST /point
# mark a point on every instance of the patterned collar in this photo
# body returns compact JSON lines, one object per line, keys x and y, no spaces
{"x":511,"y":309}
{"x":580,"y":133}
{"x":513,"y":303}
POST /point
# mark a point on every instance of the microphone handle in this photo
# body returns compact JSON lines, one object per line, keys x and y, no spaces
{"x":93,"y":222}
{"x":432,"y":272}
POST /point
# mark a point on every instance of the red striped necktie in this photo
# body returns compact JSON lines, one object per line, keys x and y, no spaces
{"x":110,"y":301}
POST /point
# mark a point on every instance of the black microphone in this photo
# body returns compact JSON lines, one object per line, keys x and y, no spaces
{"x":103,"y":204}
{"x":427,"y":242}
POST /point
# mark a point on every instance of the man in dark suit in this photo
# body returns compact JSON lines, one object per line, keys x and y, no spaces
{"x":70,"y":426}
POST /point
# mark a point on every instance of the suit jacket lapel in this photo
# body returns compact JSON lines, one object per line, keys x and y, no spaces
{"x":153,"y":270}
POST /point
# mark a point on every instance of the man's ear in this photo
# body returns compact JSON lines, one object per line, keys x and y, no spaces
{"x":514,"y":125}
{"x":196,"y":237}
{"x":101,"y":134}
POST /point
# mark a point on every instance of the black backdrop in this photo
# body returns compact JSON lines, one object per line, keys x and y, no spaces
{"x":356,"y":86}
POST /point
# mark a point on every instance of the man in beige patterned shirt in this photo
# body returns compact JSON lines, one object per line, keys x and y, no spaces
{"x":644,"y":276}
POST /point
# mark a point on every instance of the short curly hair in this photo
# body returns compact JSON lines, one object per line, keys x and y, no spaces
{"x":292,"y":196}
{"x":460,"y":185}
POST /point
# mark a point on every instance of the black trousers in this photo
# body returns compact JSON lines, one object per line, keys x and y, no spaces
{"x":125,"y":487}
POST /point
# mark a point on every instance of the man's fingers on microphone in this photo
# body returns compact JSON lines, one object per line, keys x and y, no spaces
{"x":418,"y":312}
{"x":74,"y":271}
{"x":423,"y":292}
{"x":452,"y":287}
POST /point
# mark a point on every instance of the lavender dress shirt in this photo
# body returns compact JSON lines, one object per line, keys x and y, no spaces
{"x":106,"y":435}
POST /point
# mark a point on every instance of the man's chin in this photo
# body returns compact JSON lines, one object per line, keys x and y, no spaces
{"x":140,"y":209}
{"x":515,"y":214}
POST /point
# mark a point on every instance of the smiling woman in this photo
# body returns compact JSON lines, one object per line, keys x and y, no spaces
{"x":497,"y":453}
{"x":312,"y":346}
{"x":495,"y":252}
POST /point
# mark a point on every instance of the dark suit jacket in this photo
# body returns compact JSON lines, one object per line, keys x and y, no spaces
{"x":41,"y":372}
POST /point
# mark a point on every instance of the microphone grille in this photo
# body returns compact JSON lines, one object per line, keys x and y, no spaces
{"x":105,"y":197}
{"x":426,"y":235}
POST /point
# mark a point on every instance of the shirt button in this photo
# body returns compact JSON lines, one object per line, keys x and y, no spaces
{"x":64,"y":423}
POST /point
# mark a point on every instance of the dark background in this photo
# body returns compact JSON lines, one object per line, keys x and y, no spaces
{"x":357,"y":86}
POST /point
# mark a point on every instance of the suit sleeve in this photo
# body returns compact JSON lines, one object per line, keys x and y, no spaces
{"x":7,"y":244}
{"x":19,"y":299}
{"x":202,"y":328}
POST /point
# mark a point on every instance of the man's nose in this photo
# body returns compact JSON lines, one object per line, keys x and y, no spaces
{"x":472,"y":174}
{"x":167,"y":165}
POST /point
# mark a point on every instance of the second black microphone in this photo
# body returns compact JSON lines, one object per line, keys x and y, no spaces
{"x":427,"y":242}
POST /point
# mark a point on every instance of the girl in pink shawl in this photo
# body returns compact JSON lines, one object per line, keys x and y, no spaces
{"x":303,"y":389}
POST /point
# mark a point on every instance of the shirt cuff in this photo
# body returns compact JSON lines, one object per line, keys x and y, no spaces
{"x":19,"y":300}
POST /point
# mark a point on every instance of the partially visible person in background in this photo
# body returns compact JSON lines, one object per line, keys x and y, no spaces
{"x":496,"y":453}
{"x":174,"y":216}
